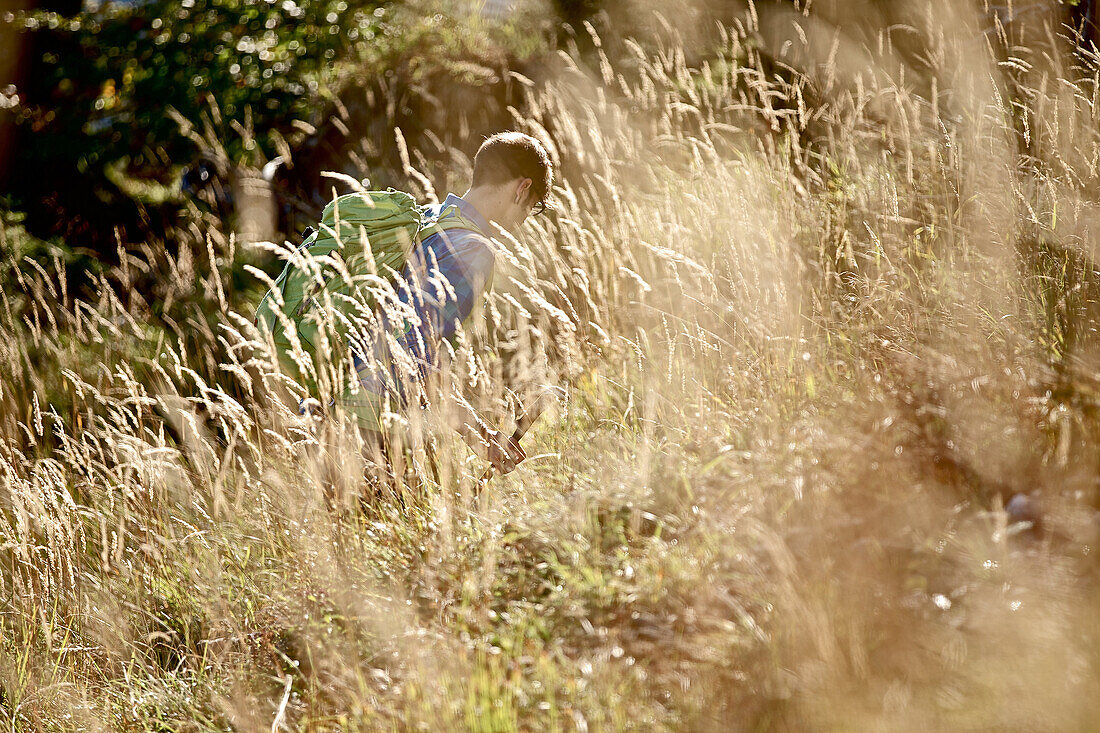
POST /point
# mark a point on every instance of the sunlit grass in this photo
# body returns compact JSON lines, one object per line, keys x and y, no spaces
{"x":816,"y":330}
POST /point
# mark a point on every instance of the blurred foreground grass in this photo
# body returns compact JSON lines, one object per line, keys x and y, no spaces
{"x":817,"y":326}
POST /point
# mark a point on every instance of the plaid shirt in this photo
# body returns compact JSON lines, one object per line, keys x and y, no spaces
{"x":444,"y":280}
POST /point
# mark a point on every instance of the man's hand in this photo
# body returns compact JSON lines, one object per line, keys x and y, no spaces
{"x":504,"y":452}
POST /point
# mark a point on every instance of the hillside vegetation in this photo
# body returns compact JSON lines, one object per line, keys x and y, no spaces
{"x":823,"y":303}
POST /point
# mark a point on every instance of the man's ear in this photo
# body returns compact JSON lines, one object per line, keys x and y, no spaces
{"x":522,"y":189}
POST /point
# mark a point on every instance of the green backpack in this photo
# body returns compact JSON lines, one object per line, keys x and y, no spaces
{"x":363,"y":240}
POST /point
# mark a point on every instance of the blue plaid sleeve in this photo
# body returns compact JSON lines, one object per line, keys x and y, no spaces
{"x":447,"y":280}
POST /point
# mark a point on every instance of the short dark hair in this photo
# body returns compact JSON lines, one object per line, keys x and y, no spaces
{"x":509,"y":155}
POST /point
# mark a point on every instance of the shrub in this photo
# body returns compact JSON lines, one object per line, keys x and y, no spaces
{"x":99,"y":102}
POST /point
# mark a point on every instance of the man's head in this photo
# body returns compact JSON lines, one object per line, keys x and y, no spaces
{"x":512,"y":177}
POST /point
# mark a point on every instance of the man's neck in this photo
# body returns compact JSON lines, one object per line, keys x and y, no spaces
{"x":485,"y":201}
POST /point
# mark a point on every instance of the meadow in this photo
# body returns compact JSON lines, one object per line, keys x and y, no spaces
{"x":822,"y":303}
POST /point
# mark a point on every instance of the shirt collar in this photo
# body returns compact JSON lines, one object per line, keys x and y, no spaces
{"x":468,"y":211}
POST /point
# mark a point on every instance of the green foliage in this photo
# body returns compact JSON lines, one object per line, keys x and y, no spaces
{"x":18,"y":245}
{"x":111,"y":76}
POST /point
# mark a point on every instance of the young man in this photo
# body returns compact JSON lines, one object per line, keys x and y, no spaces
{"x":444,"y":282}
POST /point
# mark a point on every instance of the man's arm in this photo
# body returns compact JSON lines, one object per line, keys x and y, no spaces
{"x":446,"y":283}
{"x":502,"y":451}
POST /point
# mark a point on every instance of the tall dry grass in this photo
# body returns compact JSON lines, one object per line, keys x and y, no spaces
{"x":822,"y":306}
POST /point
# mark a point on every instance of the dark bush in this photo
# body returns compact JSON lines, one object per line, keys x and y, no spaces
{"x":97,"y":104}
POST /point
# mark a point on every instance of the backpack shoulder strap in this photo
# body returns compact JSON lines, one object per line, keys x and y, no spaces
{"x":447,"y":219}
